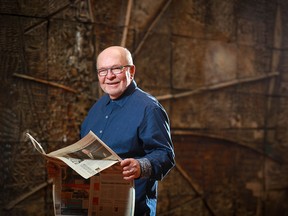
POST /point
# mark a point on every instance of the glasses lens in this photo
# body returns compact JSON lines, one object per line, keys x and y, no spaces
{"x":117,"y":70}
{"x":102,"y":72}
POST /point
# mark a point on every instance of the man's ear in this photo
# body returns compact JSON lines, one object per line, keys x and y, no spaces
{"x":132,"y":71}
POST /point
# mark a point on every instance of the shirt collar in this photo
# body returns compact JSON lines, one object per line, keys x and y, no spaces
{"x":123,"y":98}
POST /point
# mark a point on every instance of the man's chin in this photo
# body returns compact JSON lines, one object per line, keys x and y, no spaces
{"x":114,"y":95}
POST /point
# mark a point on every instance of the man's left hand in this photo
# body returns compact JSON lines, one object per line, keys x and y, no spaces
{"x":131,"y":168}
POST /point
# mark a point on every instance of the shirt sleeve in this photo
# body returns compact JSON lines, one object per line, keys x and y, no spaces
{"x":157,"y":143}
{"x":146,"y":167}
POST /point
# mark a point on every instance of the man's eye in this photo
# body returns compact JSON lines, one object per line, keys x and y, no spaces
{"x":116,"y":68}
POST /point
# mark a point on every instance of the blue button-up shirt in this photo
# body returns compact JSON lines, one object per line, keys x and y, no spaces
{"x":135,"y":126}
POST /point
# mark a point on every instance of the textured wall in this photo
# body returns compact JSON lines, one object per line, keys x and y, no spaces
{"x":218,"y":67}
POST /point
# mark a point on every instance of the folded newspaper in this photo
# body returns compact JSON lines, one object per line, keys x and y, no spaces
{"x":101,"y":191}
{"x":87,"y":157}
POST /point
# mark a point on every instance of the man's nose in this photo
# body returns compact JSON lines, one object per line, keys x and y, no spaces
{"x":110,"y":74}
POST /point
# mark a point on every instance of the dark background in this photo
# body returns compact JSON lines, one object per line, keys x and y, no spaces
{"x":219,"y":67}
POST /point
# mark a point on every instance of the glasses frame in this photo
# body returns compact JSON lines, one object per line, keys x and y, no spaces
{"x":104,"y":71}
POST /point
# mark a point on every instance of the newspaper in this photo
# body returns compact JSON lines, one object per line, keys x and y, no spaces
{"x":87,"y":157}
{"x":94,"y":185}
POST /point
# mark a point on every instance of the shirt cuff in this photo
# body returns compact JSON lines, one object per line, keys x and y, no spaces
{"x":146,"y":167}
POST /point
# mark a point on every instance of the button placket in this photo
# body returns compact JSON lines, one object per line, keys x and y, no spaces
{"x":108,"y":112}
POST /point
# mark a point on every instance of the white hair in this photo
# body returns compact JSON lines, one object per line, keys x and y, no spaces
{"x":128,"y":56}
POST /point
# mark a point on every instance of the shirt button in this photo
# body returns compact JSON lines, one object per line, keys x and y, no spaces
{"x":100,"y":131}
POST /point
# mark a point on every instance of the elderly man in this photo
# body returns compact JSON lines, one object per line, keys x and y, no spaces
{"x":133,"y":124}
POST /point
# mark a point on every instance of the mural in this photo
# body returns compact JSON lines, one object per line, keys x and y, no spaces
{"x":218,"y":67}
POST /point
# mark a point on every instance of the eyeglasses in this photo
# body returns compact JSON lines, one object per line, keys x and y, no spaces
{"x":115,"y":70}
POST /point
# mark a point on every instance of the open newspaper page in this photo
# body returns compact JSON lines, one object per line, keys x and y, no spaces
{"x":112,"y":195}
{"x":87,"y":157}
{"x":105,"y":193}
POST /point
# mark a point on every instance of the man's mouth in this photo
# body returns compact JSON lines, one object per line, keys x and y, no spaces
{"x":115,"y":83}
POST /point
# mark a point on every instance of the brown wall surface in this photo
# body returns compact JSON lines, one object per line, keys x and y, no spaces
{"x":219,"y":67}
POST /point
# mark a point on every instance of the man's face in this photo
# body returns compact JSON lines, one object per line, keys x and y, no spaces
{"x":114,"y":84}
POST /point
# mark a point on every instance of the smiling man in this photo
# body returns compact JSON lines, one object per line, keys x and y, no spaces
{"x":134,"y":124}
{"x":115,"y":81}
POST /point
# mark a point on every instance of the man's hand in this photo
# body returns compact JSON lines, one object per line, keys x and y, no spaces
{"x":131,"y":168}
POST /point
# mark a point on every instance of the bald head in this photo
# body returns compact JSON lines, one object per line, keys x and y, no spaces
{"x":117,"y":53}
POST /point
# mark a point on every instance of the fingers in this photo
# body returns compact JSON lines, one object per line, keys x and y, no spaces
{"x":131,"y":169}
